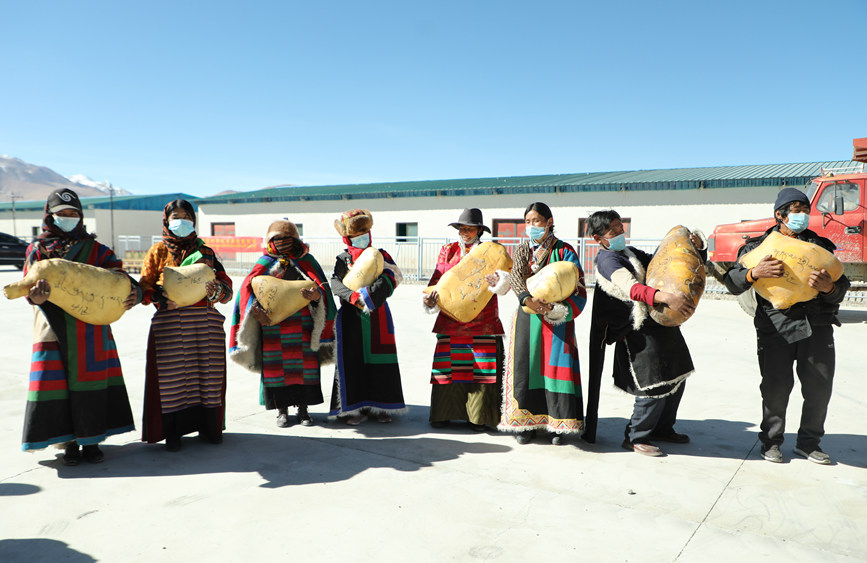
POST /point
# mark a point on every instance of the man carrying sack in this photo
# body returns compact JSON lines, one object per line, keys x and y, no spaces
{"x":801,"y":334}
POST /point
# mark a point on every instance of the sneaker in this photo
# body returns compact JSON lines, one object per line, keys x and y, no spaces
{"x":816,"y":456}
{"x":558,"y":440}
{"x":643,"y":449}
{"x":283,"y":420}
{"x":773,"y":454}
{"x":525,"y":437}
{"x":304,"y":417}
{"x":384,"y":418}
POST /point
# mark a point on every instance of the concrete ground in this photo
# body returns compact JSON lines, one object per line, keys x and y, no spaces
{"x":407,"y":492}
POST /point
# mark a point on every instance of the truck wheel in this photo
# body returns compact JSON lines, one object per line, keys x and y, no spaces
{"x":747,"y":301}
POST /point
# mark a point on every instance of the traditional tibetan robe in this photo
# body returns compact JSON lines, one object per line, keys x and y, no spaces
{"x":76,"y":387}
{"x":466,"y":377}
{"x":650,"y":360}
{"x":288,"y":356}
{"x":367,"y":374}
{"x":185,"y":372}
{"x":542,"y":382}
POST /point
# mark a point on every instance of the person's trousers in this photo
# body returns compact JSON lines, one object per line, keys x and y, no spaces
{"x":653,"y":416}
{"x":815,"y":368}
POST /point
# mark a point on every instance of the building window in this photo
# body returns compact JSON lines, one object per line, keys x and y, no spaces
{"x":222,"y":229}
{"x":509,"y":228}
{"x":406,"y":231}
{"x":582,"y":227}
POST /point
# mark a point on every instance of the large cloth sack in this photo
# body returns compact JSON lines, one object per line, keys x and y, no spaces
{"x":90,"y":294}
{"x":280,"y":298}
{"x":800,"y":259}
{"x":553,"y":283}
{"x":676,"y":267}
{"x":463,"y":291}
{"x":186,"y":285}
{"x":365,"y":270}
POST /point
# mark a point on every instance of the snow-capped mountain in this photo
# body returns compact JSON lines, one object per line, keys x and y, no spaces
{"x":32,"y":182}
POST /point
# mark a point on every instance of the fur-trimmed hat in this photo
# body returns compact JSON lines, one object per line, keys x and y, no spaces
{"x":354,"y":222}
{"x":282,"y":227}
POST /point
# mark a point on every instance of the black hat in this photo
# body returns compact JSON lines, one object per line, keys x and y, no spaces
{"x":64,"y":198}
{"x":790,"y":195}
{"x":470,"y":218}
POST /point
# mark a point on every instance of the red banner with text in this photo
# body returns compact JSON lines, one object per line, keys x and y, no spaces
{"x":234,"y":244}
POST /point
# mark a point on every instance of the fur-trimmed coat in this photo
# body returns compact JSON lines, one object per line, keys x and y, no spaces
{"x":245,"y":334}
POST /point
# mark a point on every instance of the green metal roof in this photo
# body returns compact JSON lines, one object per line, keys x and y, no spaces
{"x":796,"y":174}
{"x":134,"y":202}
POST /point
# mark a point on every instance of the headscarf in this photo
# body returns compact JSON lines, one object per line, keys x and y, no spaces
{"x":179,"y":247}
{"x":283,"y":243}
{"x":54,"y":242}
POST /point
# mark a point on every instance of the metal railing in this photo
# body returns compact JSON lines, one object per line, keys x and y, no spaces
{"x":417,"y":256}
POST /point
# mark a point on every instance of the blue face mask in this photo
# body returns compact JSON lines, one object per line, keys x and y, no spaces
{"x":617,"y":243}
{"x":181,"y":227}
{"x":66,"y":224}
{"x":361,"y":241}
{"x":798,"y":222}
{"x":536,"y":233}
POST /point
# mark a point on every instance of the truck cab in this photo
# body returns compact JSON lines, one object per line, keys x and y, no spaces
{"x":837,"y":212}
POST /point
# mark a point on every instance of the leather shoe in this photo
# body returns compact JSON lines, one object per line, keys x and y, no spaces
{"x":673,"y":437}
{"x":643,"y":449}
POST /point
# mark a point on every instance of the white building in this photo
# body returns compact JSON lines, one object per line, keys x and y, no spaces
{"x":650,"y":201}
{"x":122,"y":222}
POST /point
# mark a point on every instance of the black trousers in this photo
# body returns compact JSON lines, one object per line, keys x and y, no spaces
{"x":815,"y":367}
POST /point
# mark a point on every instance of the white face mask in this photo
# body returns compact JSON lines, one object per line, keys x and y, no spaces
{"x":361,"y":241}
{"x":66,"y":224}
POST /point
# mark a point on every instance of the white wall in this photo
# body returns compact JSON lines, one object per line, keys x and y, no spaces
{"x":126,"y":223}
{"x":653,"y":213}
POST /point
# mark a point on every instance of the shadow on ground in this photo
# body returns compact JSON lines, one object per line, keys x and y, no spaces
{"x":40,"y":549}
{"x":281,"y":460}
{"x":727,"y":439}
{"x":17,"y":489}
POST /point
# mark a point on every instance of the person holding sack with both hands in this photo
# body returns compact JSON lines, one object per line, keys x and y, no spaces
{"x":185,"y":373}
{"x":287,"y":354}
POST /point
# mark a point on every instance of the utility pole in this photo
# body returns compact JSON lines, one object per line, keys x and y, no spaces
{"x":13,"y":197}
{"x":111,"y":213}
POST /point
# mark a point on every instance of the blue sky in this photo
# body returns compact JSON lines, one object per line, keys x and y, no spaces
{"x":200,"y":97}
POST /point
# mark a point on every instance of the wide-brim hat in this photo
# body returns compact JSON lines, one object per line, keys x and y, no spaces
{"x":354,"y":222}
{"x":470,"y":218}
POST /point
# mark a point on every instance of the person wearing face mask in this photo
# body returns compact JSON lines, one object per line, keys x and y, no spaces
{"x":651,"y":361}
{"x":542,"y":382}
{"x":367,"y":375}
{"x":185,"y":371}
{"x":802,"y":335}
{"x":466,"y":378}
{"x":77,"y":394}
{"x":288,"y":355}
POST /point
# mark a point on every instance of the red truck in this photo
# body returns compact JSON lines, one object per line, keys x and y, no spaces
{"x":838,"y":211}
